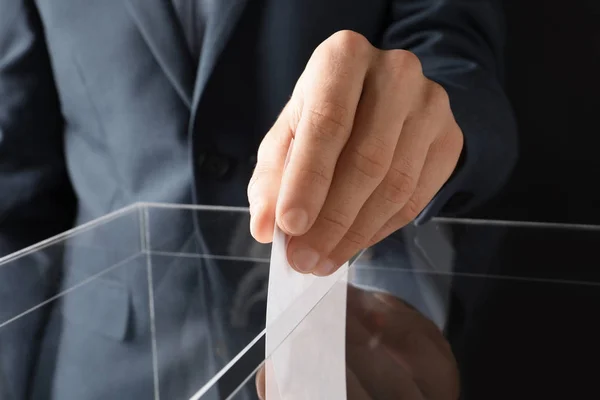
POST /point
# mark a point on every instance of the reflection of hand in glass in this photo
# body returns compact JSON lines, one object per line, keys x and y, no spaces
{"x":393,"y":352}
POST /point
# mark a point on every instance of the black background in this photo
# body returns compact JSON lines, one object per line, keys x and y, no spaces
{"x":535,"y":340}
{"x":553,"y":81}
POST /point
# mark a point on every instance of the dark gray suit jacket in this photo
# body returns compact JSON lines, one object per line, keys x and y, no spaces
{"x":101,"y":106}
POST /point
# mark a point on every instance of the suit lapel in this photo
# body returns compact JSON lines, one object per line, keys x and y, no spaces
{"x":159,"y":26}
{"x":221,"y":24}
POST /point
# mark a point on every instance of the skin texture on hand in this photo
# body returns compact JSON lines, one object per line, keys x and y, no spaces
{"x":392,"y":352}
{"x":364,"y":144}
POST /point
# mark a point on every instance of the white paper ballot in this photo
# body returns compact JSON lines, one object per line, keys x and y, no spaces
{"x":306,"y":331}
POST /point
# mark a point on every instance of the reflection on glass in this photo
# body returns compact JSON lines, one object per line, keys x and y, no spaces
{"x":149,"y":302}
{"x":168,"y":302}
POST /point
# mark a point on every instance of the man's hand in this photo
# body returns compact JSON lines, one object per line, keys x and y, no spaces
{"x":373,"y":141}
{"x":392,"y":352}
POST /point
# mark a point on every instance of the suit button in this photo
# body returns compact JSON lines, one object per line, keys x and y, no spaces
{"x":213,"y":165}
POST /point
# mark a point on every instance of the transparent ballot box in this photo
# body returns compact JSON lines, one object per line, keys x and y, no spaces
{"x":159,"y":301}
{"x":152,"y":301}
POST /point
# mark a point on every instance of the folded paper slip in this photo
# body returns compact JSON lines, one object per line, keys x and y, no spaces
{"x":306,"y":331}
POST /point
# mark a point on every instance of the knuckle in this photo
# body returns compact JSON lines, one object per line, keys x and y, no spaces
{"x":328,"y":121}
{"x":315,"y":175}
{"x":451,"y":142}
{"x":411,"y":210}
{"x":350,"y":42}
{"x":399,"y":186}
{"x":371,"y":160}
{"x":404,"y":63}
{"x":355,"y":238}
{"x":338,"y":223}
{"x":437,"y":97}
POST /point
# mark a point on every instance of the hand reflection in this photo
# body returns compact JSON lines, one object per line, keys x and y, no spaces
{"x":392,"y":352}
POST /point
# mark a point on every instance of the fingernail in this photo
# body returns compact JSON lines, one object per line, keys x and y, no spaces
{"x":325,"y":268}
{"x":295,"y":221}
{"x":305,"y":260}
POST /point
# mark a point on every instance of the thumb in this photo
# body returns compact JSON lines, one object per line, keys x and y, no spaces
{"x":265,"y":183}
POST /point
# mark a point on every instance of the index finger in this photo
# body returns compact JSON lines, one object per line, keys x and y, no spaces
{"x":330,"y":90}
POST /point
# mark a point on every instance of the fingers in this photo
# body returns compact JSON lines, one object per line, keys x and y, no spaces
{"x":374,"y":141}
{"x":330,"y":87}
{"x":263,"y":189}
{"x":390,"y":196}
{"x":361,"y":167}
{"x":441,"y":161}
{"x":423,"y":161}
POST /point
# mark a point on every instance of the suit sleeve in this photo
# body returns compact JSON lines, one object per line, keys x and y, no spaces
{"x":460,"y":45}
{"x":36,"y":200}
